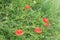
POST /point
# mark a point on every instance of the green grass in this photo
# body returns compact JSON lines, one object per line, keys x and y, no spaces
{"x":14,"y":16}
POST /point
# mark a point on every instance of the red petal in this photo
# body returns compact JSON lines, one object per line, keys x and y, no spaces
{"x":27,"y":7}
{"x":38,"y":30}
{"x":19,"y":32}
{"x":45,"y":20}
{"x":47,"y":25}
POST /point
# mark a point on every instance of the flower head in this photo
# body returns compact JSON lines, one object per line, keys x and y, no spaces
{"x":38,"y":30}
{"x":45,"y":20}
{"x":27,"y":7}
{"x":47,"y":25}
{"x":19,"y":32}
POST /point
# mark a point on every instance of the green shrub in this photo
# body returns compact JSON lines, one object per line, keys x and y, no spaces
{"x":14,"y":16}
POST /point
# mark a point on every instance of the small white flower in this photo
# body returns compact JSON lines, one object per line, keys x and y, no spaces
{"x":34,"y":2}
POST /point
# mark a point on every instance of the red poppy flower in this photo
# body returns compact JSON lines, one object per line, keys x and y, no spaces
{"x":19,"y":32}
{"x":47,"y":25}
{"x":27,"y":7}
{"x":38,"y":30}
{"x":45,"y":20}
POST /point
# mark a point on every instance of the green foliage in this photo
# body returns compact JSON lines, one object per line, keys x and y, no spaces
{"x":14,"y":16}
